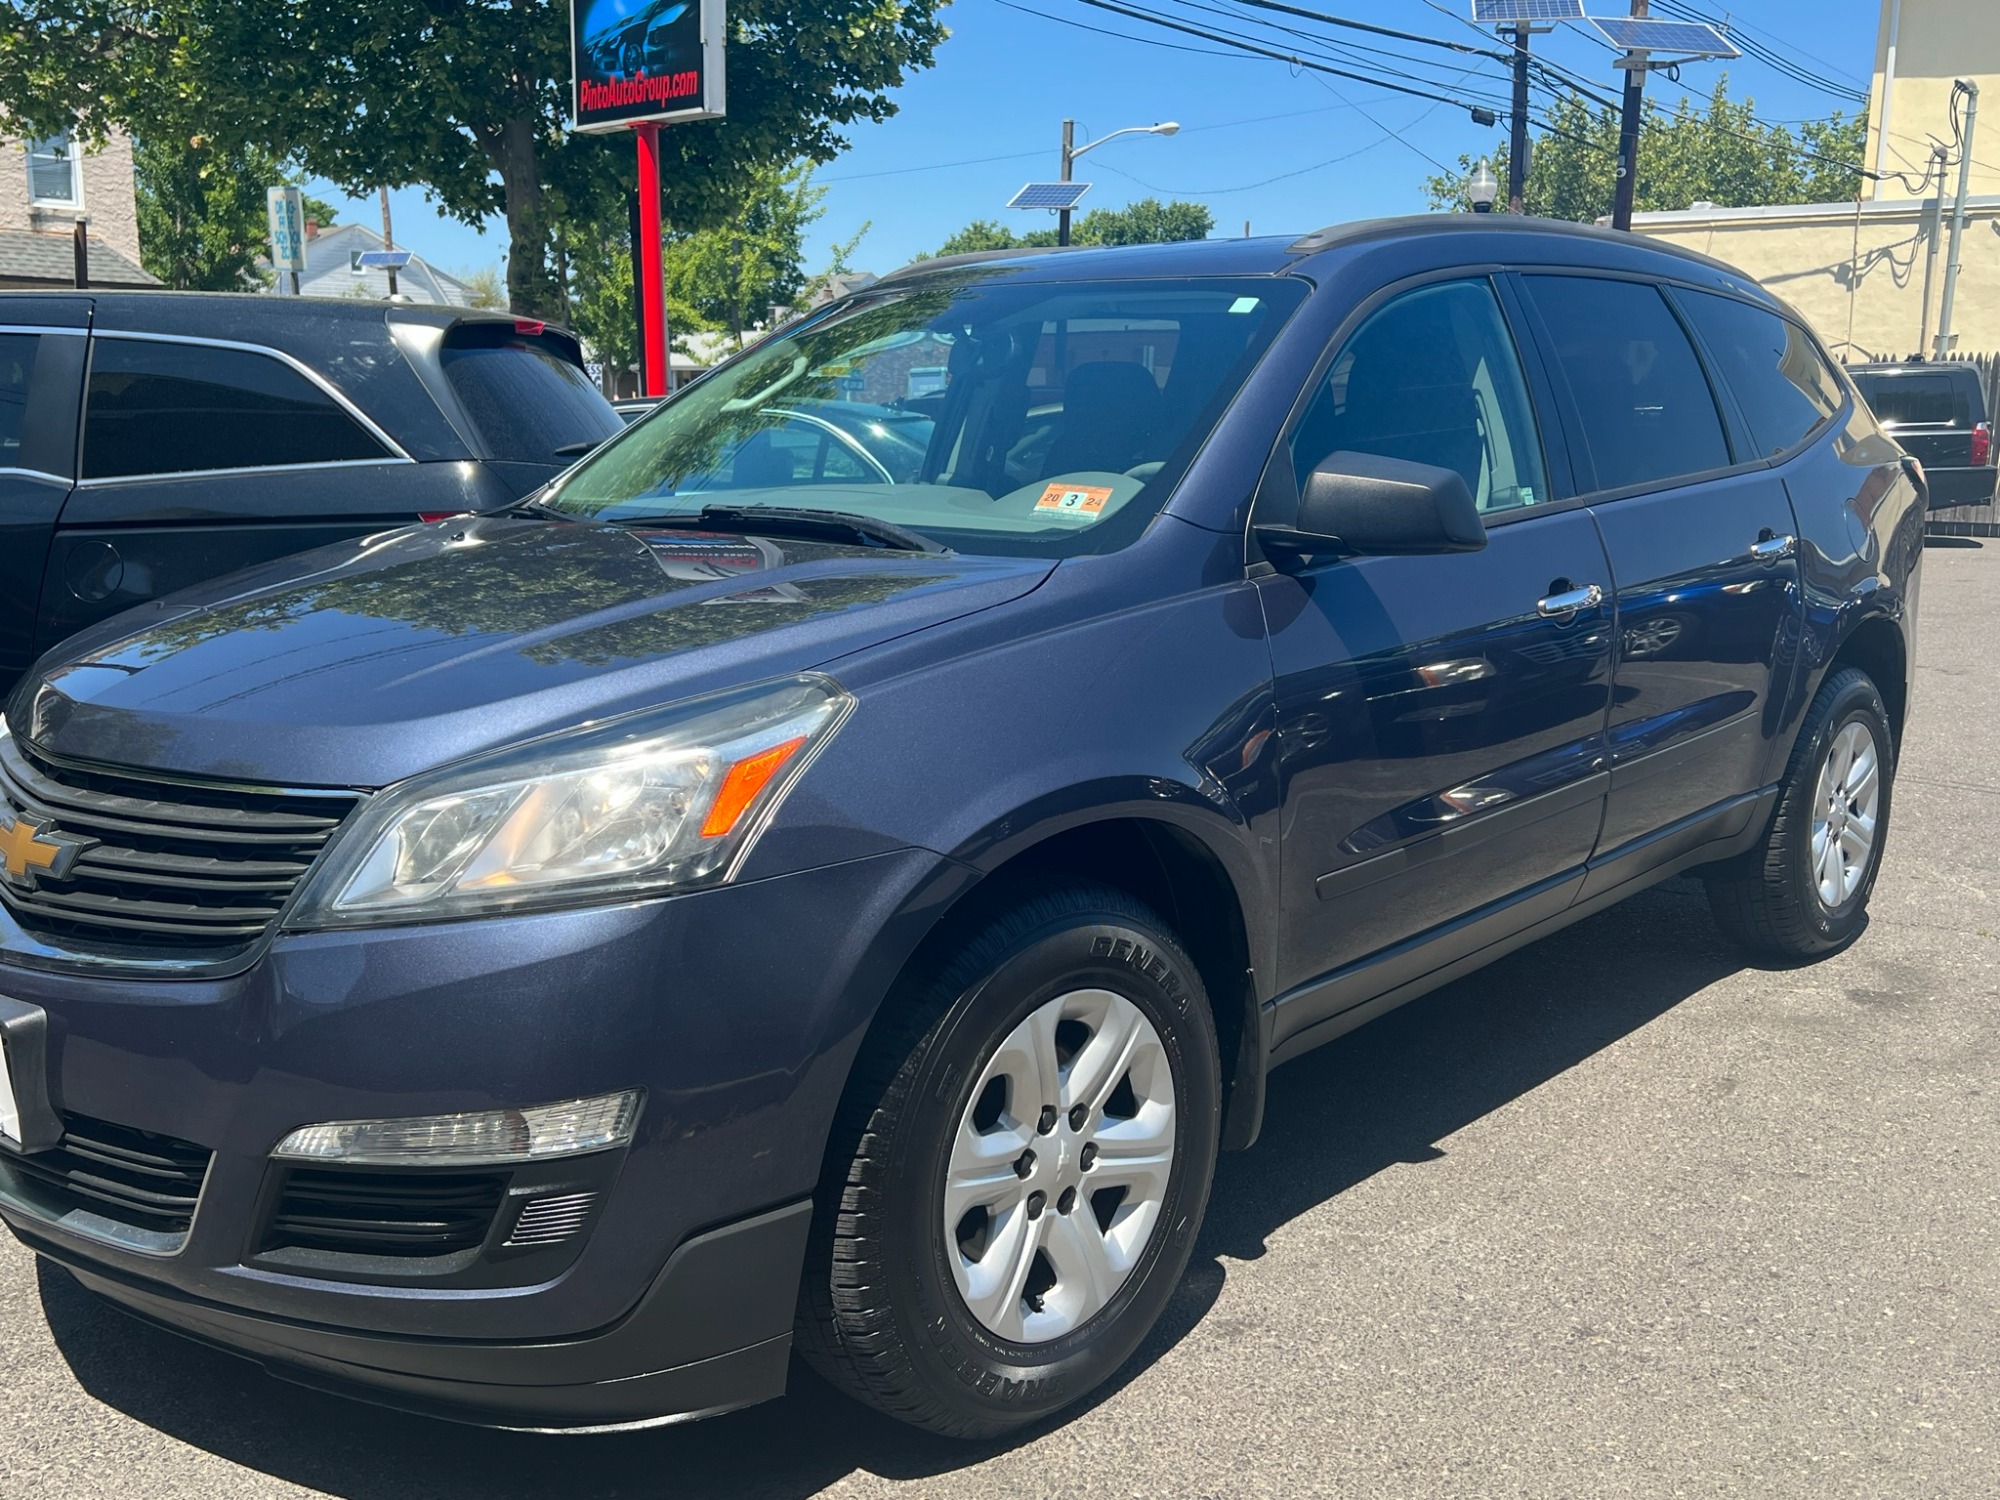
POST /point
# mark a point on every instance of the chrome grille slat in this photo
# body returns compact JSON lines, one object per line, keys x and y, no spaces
{"x":180,"y":867}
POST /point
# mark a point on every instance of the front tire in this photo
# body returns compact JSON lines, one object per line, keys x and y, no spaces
{"x":1019,"y":1170}
{"x":1804,"y":891}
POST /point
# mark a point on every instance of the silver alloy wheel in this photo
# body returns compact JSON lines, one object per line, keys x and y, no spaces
{"x":1059,"y":1166}
{"x":1844,"y":814}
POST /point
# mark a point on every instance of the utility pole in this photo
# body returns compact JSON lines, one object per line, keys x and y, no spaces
{"x":388,"y":240}
{"x":1517,"y":141}
{"x":1068,"y":158}
{"x":1634,"y":64}
{"x":1935,"y":214}
{"x":1971,"y":91}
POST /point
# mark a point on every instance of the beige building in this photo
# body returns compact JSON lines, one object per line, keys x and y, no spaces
{"x":1921,"y":48}
{"x":1870,"y":275}
{"x":45,"y":186}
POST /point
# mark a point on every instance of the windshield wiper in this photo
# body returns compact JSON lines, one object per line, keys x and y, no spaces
{"x":802,"y":521}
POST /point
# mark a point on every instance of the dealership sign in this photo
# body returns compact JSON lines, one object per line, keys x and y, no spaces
{"x":645,"y":60}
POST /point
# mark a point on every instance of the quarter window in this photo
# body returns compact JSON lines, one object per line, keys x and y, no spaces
{"x":1779,"y":379}
{"x":52,"y":171}
{"x":1432,"y":378}
{"x":157,"y":408}
{"x":17,"y":372}
{"x":1647,"y":411}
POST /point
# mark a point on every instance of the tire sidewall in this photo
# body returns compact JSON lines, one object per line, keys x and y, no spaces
{"x":1856,"y":702}
{"x":988,"y":1377}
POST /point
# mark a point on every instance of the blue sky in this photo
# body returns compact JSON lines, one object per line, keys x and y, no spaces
{"x":1261,"y":142}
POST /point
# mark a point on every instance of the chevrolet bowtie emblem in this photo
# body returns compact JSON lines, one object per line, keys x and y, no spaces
{"x":30,"y":850}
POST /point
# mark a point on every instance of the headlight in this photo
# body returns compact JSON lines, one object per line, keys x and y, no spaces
{"x":650,"y":802}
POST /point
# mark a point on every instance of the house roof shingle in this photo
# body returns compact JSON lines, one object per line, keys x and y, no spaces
{"x":50,"y":260}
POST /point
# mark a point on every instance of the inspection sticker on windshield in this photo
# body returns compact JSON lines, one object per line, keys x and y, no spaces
{"x":1084,"y":501}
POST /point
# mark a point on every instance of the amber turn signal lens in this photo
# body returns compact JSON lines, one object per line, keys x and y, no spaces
{"x":740,"y":787}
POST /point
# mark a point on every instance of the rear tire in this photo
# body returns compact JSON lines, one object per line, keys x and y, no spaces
{"x":1804,"y":891}
{"x":976,"y":1264}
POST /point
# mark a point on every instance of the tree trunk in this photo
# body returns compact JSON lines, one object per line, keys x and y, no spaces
{"x":532,"y":289}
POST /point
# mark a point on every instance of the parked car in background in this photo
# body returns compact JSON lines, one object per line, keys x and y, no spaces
{"x":151,"y":440}
{"x":1938,"y":414}
{"x":534,"y":967}
{"x":631,"y":408}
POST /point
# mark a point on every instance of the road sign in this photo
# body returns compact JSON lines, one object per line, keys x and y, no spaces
{"x":285,"y":208}
{"x":1049,"y":195}
{"x":377,"y":260}
{"x":1642,"y":34}
{"x":636,"y":60}
{"x":1515,"y":12}
{"x":853,"y":384}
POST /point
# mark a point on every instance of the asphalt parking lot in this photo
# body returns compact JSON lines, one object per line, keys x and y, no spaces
{"x":1620,"y":1216}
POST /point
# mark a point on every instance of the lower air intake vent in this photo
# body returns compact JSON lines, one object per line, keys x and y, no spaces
{"x":114,"y":1182}
{"x":401,"y":1214}
{"x":550,"y":1221}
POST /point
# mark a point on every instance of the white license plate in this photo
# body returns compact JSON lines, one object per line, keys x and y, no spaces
{"x":10,"y":1112}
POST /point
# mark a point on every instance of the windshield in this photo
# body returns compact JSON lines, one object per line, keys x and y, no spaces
{"x":1039,"y":419}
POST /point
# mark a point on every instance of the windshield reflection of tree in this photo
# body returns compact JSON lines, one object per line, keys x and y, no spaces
{"x":529,"y":583}
{"x":699,"y":432}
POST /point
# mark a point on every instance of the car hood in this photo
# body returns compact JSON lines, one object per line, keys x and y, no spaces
{"x":368,"y":661}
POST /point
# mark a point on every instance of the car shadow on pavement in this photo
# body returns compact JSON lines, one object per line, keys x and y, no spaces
{"x":1386,"y":1095}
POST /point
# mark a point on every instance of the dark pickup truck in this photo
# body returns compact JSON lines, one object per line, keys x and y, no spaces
{"x":1938,"y":414}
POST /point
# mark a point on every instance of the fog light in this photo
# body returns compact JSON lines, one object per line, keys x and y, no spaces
{"x":493,"y":1137}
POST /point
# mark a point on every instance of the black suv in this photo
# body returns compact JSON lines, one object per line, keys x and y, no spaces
{"x":1937,"y":412}
{"x":152,"y":440}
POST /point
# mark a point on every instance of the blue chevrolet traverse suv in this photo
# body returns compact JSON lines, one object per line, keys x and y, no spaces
{"x":832,"y":869}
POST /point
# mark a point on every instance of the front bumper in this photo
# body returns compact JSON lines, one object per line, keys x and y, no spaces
{"x":737,"y":1010}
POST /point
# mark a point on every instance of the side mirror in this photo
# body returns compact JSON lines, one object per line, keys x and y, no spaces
{"x":1363,"y":503}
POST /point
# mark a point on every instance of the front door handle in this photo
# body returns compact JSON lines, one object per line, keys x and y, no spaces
{"x":1569,"y":601}
{"x":1771,"y":548}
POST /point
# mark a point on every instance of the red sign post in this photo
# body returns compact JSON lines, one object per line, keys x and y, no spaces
{"x":639,"y":64}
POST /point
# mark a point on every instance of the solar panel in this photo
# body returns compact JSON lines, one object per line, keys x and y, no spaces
{"x":1049,"y":195}
{"x":1664,"y":36}
{"x":1501,"y":12}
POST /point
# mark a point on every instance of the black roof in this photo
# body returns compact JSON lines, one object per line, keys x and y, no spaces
{"x":1421,"y":239}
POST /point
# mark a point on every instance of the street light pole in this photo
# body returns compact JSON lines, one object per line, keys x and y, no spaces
{"x":1628,"y":129}
{"x":1068,"y":161}
{"x":1517,"y":141}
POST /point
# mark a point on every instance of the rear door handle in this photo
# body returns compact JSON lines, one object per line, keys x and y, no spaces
{"x":1769,"y":548}
{"x":1569,"y":601}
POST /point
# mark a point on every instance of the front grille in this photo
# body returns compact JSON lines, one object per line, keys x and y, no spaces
{"x":132,"y":1177}
{"x":400,"y":1214}
{"x":177,"y":867}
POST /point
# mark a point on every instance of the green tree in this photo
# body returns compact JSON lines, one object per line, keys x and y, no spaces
{"x":1722,"y":155}
{"x":467,"y":98}
{"x":487,"y":285}
{"x":733,"y":274}
{"x":1147,"y":222}
{"x":202,"y":222}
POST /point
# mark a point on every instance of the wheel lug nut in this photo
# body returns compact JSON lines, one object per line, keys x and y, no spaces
{"x":1025,"y":1164}
{"x":1067,"y":1201}
{"x":1048,"y":1120}
{"x":1079,"y":1117}
{"x":1089,"y":1155}
{"x":1036,"y":1202}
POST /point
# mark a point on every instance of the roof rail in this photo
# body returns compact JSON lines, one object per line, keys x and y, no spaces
{"x":971,"y":257}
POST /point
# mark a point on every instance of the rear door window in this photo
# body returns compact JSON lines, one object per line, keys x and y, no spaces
{"x":525,"y":397}
{"x":1432,"y":378}
{"x":170,"y":408}
{"x":1925,"y":398}
{"x":1647,"y":412}
{"x":17,"y":371}
{"x":1779,"y":379}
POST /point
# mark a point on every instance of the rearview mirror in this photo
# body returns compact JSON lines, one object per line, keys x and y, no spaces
{"x":1363,"y":503}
